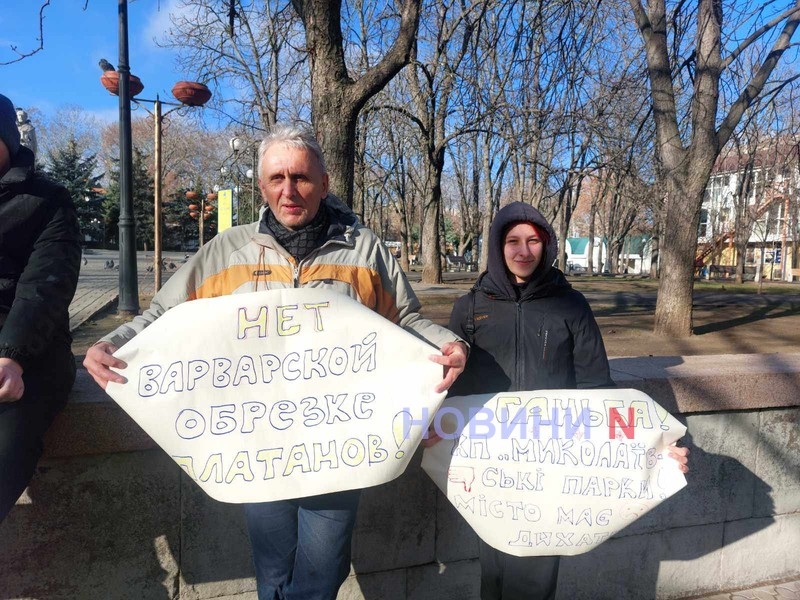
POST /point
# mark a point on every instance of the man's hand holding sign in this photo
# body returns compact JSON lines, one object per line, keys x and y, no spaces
{"x":300,"y":392}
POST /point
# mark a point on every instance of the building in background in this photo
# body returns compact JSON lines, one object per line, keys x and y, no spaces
{"x":750,"y":214}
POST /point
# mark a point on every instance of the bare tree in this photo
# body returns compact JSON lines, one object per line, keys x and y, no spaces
{"x":23,"y":54}
{"x":689,"y":143}
{"x":337,"y":97}
{"x":433,"y":79}
{"x":66,"y":122}
{"x":255,"y":70}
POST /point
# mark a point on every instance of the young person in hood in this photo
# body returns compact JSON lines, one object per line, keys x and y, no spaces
{"x":528,"y":330}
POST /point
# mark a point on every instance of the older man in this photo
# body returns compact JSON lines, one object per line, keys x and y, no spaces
{"x":39,"y":261}
{"x":305,"y":238}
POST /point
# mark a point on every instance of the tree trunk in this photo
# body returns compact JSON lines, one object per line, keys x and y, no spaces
{"x":740,"y":235}
{"x":483,"y":263}
{"x":684,"y":171}
{"x":658,"y":235}
{"x":561,"y":261}
{"x":432,"y":262}
{"x":336,"y":99}
{"x":673,"y":315}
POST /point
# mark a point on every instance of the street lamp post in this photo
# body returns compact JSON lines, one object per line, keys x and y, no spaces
{"x":200,"y":212}
{"x":189,"y":93}
{"x":128,"y":303}
{"x":237,"y":144}
{"x":157,"y":216}
{"x":251,"y":175}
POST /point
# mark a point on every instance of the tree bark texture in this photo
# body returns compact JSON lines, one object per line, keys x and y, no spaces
{"x":432,"y":261}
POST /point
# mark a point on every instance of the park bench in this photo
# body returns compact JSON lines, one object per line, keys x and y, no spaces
{"x":722,"y":271}
{"x":456,"y":263}
{"x":459,"y":263}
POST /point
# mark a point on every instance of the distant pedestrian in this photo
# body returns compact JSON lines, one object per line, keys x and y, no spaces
{"x":40,"y":254}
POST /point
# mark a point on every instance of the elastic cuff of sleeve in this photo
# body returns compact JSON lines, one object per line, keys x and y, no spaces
{"x":15,"y":355}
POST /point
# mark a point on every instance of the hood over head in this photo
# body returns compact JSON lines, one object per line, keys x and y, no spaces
{"x":517,"y":212}
{"x":9,"y":132}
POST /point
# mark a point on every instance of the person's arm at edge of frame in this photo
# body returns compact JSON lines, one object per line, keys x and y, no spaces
{"x":51,"y":273}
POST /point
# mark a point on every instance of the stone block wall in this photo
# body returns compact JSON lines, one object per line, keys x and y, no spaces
{"x":125,"y":522}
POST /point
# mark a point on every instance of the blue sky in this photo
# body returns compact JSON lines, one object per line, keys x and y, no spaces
{"x":65,"y":72}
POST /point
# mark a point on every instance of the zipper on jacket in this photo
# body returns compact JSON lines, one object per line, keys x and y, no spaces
{"x":296,"y":268}
{"x":544,"y":342}
{"x":296,"y":275}
{"x":520,"y":366}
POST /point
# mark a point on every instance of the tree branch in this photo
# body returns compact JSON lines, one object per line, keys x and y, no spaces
{"x":751,"y":39}
{"x":24,"y":55}
{"x":394,"y":60}
{"x":759,"y":80}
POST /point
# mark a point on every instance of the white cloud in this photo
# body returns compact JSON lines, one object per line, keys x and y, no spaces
{"x":110,"y":115}
{"x":158,"y":22}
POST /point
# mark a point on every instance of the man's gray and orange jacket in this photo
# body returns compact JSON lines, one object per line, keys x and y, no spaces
{"x":352,"y":261}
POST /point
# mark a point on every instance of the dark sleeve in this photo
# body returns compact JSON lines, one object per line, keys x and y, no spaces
{"x":589,"y":354}
{"x":40,"y":311}
{"x":463,"y":385}
{"x":458,"y":316}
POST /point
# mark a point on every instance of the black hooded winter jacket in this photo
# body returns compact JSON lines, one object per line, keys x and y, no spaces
{"x":39,"y":262}
{"x":539,"y":335}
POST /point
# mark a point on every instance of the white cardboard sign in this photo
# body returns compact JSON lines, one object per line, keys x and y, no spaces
{"x":553,"y":472}
{"x":280,"y":394}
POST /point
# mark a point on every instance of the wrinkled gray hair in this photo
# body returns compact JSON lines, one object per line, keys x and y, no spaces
{"x":293,"y":136}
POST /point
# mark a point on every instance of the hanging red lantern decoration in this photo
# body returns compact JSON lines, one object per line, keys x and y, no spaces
{"x":191,"y":93}
{"x":110,"y":81}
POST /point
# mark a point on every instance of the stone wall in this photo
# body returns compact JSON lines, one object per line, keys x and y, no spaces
{"x":109,"y":516}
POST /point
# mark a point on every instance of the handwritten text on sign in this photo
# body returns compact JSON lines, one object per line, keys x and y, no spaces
{"x":279,"y":394}
{"x":555,"y":471}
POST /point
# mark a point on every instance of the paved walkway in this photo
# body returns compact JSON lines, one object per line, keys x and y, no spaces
{"x":98,"y":286}
{"x":780,"y":591}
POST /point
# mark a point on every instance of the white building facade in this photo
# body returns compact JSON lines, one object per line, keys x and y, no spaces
{"x":768,"y":212}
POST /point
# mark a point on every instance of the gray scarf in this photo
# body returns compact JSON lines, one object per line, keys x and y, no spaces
{"x":299,"y":243}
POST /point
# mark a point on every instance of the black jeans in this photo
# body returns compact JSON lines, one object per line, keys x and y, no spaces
{"x":23,"y":423}
{"x":506,"y":577}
